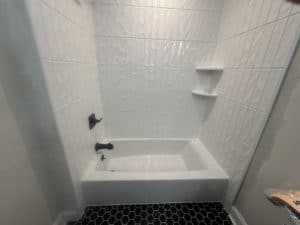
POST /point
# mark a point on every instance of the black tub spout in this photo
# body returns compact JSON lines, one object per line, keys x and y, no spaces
{"x":99,"y":146}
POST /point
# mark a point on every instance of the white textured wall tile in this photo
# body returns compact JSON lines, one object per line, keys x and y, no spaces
{"x":256,"y":41}
{"x":285,"y":9}
{"x":295,"y":9}
{"x":264,"y":14}
{"x":274,"y":10}
{"x":264,"y":44}
{"x":146,"y":55}
{"x":50,"y":3}
{"x":274,"y":43}
{"x":288,"y":41}
{"x":271,"y":87}
{"x":258,"y":35}
{"x":64,"y":34}
{"x":260,"y":87}
{"x":40,"y":27}
{"x":256,"y":12}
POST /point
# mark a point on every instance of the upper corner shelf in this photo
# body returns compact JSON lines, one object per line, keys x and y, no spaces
{"x":209,"y":68}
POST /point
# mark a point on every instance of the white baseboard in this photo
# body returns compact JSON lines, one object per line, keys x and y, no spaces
{"x":66,"y":216}
{"x":236,"y":217}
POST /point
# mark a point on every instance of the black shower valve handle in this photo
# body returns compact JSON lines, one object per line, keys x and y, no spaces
{"x":93,"y":121}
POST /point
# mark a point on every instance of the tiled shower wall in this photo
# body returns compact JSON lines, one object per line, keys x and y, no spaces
{"x":256,"y":43}
{"x":32,"y":157}
{"x":147,"y":51}
{"x":65,"y":41}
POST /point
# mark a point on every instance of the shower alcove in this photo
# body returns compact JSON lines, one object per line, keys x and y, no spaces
{"x":184,"y":89}
{"x":146,"y":57}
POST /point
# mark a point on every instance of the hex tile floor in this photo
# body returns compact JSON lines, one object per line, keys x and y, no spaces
{"x":157,"y":214}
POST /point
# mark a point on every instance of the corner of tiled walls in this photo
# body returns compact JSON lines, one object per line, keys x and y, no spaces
{"x":147,"y":52}
{"x":65,"y":40}
{"x":257,"y":40}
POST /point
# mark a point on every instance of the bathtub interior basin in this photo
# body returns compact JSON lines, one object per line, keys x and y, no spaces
{"x":154,"y":171}
{"x":151,"y":156}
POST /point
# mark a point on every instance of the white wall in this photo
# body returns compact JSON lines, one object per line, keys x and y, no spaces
{"x":64,"y":34}
{"x":35,"y":180}
{"x":19,"y":184}
{"x":276,"y":160}
{"x":256,"y":42}
{"x":147,"y":52}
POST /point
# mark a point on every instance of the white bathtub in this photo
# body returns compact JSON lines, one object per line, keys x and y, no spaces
{"x":154,"y":171}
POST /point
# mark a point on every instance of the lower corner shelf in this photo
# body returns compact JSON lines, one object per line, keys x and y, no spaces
{"x":204,"y":93}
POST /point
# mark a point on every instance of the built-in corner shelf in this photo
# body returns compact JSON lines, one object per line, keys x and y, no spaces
{"x":209,"y":82}
{"x":204,"y":93}
{"x":209,"y":68}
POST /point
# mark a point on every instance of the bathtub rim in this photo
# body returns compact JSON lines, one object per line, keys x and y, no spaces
{"x":214,"y":171}
{"x":206,"y":174}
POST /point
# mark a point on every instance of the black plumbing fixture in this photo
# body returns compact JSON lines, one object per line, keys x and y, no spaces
{"x":102,"y":158}
{"x":99,"y":146}
{"x":93,"y":121}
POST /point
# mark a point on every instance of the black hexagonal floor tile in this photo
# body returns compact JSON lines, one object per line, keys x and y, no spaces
{"x":155,"y":214}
